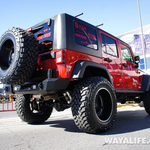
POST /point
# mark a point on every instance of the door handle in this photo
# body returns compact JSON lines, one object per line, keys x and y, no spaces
{"x":107,"y":59}
{"x":125,"y":65}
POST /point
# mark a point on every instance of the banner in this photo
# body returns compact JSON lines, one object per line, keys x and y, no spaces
{"x":138,"y":43}
{"x":147,"y":42}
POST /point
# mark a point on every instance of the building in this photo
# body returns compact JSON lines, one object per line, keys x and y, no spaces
{"x":132,"y":37}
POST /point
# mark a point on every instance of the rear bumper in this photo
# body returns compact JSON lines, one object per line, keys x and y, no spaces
{"x":47,"y":86}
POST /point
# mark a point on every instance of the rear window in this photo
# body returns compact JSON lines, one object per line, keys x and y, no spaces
{"x":44,"y":37}
{"x":85,"y":36}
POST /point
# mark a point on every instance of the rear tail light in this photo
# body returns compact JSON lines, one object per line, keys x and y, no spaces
{"x":29,"y":29}
{"x":60,"y":57}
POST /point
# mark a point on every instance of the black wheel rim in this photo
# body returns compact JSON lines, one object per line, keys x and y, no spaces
{"x":11,"y":56}
{"x":6,"y":54}
{"x":103,"y":104}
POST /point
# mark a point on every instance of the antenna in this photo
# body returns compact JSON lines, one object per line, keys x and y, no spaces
{"x":79,"y":15}
{"x":100,"y":25}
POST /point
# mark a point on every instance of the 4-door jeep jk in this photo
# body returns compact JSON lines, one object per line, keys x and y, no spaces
{"x":65,"y":62}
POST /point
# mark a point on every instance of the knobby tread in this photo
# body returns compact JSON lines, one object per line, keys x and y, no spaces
{"x":22,"y":105}
{"x":26,"y":54}
{"x":82,"y":105}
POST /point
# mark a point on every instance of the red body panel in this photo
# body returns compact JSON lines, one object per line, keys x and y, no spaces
{"x":122,"y":77}
{"x":124,"y":74}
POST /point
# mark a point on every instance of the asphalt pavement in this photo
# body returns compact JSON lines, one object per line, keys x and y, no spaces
{"x":131,"y":130}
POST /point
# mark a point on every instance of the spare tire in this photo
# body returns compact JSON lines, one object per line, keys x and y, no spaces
{"x":18,"y":56}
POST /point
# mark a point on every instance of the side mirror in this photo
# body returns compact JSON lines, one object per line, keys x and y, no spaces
{"x":137,"y":61}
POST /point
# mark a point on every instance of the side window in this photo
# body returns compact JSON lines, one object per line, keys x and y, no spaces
{"x":85,"y":36}
{"x":103,"y":43}
{"x":126,"y":53}
{"x":109,"y":45}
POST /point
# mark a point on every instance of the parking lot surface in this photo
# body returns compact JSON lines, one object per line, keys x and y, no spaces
{"x":130,"y":131}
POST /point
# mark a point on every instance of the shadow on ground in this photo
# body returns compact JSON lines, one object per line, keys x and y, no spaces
{"x":68,"y":125}
{"x":130,"y":121}
{"x":126,"y":121}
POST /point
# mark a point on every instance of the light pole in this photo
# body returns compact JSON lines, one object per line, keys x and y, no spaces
{"x":143,"y":45}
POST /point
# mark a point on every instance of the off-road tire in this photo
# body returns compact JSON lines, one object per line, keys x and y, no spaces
{"x":18,"y":56}
{"x":146,"y":101}
{"x":94,"y":105}
{"x":25,"y":112}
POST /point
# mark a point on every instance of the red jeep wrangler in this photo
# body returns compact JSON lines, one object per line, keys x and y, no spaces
{"x":65,"y":62}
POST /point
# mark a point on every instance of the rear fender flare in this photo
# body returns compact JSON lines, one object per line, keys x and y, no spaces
{"x":81,"y":65}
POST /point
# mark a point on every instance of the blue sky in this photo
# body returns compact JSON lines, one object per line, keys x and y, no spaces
{"x":118,"y":16}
